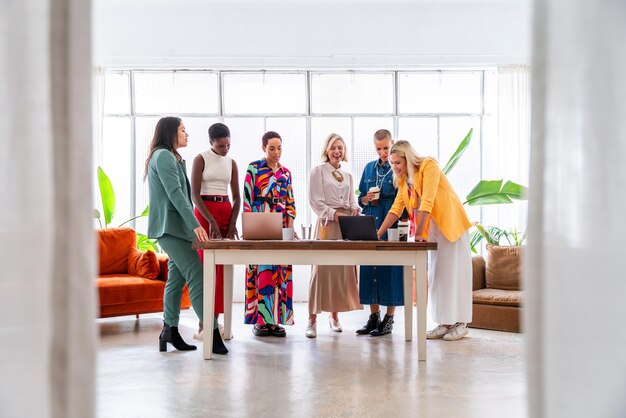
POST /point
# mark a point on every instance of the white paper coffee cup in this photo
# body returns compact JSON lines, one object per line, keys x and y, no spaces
{"x":287,"y":234}
{"x":403,"y":231}
{"x":376,"y":191}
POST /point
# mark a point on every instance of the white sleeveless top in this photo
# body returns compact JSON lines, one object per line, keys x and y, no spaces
{"x":217,"y":173}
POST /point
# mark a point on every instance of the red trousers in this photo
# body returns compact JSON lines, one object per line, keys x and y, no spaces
{"x":221,"y":211}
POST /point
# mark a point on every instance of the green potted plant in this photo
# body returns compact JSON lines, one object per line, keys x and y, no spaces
{"x":107,"y":196}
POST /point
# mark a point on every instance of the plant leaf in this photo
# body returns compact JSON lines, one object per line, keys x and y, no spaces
{"x":107,"y":195}
{"x":146,"y":211}
{"x":459,"y":151}
{"x":144,"y":243}
{"x":492,"y":192}
{"x":475,"y":238}
{"x":494,"y":199}
{"x":515,"y":191}
{"x":487,"y":234}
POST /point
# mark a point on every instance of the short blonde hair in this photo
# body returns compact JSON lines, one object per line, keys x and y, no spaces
{"x":413,"y":160}
{"x":329,"y":142}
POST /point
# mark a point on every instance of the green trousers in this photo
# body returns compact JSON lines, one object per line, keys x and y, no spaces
{"x":184,"y":267}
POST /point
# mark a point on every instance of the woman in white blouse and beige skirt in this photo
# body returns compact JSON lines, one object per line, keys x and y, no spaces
{"x":331,"y":195}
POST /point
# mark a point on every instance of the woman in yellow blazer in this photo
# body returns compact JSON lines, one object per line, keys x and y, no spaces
{"x":437,"y":214}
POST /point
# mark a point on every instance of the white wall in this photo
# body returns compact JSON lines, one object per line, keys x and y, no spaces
{"x":308,"y":33}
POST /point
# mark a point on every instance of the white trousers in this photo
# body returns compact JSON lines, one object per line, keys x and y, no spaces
{"x":449,"y":278}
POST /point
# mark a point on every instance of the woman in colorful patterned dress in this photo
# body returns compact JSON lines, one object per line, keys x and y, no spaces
{"x":269,"y":290}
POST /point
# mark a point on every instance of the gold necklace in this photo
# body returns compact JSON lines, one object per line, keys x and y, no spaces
{"x":337,"y":175}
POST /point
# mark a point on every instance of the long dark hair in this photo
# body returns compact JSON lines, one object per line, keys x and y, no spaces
{"x":166,"y":137}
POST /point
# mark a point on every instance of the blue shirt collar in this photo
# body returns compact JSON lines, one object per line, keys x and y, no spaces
{"x":385,"y":165}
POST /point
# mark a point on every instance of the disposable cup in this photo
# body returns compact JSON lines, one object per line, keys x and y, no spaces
{"x":287,"y":234}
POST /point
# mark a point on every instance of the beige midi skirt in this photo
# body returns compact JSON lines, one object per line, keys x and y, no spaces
{"x":333,"y":288}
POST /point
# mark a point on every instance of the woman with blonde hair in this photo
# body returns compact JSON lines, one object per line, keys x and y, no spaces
{"x":331,"y":195}
{"x":437,"y":214}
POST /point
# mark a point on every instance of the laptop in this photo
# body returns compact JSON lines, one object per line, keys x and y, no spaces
{"x":358,"y":228}
{"x":262,"y":225}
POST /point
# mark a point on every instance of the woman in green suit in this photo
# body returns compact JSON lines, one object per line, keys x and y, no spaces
{"x":173,"y":224}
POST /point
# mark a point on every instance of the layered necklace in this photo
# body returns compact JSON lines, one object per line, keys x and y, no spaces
{"x":381,"y":177}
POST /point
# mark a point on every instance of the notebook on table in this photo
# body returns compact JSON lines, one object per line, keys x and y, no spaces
{"x":262,"y":225}
{"x":358,"y":228}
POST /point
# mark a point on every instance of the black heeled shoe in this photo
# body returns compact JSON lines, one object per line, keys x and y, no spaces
{"x":218,"y":344}
{"x":385,"y":327}
{"x":372,"y":324}
{"x":170,"y":335}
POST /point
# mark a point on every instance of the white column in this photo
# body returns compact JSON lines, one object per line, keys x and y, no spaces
{"x":575,"y":279}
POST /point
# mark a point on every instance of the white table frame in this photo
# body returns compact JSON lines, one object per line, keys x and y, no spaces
{"x":265,"y":252}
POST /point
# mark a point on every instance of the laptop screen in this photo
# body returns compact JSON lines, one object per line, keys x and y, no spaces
{"x":358,"y":228}
{"x":262,"y":225}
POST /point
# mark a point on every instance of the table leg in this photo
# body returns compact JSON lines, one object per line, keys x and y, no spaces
{"x":408,"y":303}
{"x":421,"y":278}
{"x":228,"y":301}
{"x":208,"y":302}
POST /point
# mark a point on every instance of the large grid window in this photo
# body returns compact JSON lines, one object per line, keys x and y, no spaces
{"x":431,"y":109}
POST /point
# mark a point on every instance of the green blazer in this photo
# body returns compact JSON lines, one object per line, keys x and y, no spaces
{"x":171,"y":211}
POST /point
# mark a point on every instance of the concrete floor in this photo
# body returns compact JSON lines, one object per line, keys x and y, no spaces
{"x":335,"y":375}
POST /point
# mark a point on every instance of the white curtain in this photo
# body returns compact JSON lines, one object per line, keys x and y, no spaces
{"x":47,"y":245}
{"x":507,"y":153}
{"x":99,"y":89}
{"x":575,"y":275}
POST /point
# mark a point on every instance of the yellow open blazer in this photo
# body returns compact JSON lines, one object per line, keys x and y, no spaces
{"x":436,"y":197}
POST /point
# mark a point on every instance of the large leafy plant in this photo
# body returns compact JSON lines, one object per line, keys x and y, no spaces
{"x":107,"y":196}
{"x":490,"y":192}
{"x":496,"y":236}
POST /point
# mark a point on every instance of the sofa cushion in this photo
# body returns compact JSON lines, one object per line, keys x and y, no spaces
{"x":143,"y":264}
{"x":503,"y":267}
{"x":115,"y":246}
{"x":163,"y":265}
{"x":497,"y":297}
{"x":478,"y":272}
{"x":123,"y":288}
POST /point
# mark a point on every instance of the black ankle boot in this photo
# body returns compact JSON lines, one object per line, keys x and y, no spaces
{"x":385,"y":327}
{"x":218,"y":344}
{"x":371,"y":324}
{"x":171,"y":335}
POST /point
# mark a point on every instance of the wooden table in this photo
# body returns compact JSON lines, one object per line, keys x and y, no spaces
{"x":230,"y":252}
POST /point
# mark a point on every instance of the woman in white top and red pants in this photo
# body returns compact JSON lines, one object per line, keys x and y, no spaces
{"x":211,"y":175}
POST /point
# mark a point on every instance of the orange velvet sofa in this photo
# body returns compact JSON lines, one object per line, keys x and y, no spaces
{"x":130,"y":282}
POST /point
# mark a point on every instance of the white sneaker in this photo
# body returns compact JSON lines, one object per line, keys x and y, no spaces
{"x":334,"y":324}
{"x":200,"y":335}
{"x":311,"y":330}
{"x":438,"y":332}
{"x":456,"y":332}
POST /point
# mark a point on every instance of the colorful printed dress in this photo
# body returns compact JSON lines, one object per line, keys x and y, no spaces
{"x":269,"y":289}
